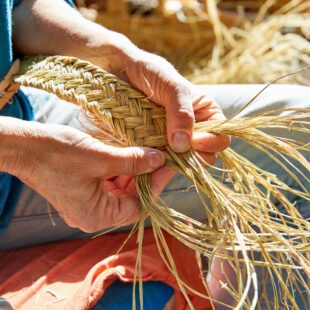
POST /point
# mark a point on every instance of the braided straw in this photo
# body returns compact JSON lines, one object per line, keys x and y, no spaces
{"x":243,"y":226}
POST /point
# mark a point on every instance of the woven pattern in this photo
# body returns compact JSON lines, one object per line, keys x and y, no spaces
{"x":129,"y":117}
{"x":243,"y":225}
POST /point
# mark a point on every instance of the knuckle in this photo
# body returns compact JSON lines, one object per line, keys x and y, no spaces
{"x":73,"y":222}
{"x":106,"y":163}
{"x":213,"y":158}
{"x":225,"y":142}
{"x":135,"y":162}
{"x":89,"y":226}
{"x":87,"y":229}
{"x":82,"y":223}
{"x":182,"y":89}
{"x":187,"y":115}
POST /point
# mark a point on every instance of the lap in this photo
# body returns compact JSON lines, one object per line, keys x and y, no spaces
{"x":36,"y":222}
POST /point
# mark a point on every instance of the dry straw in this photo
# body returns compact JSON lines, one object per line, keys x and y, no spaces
{"x":260,"y":243}
{"x":180,"y":35}
{"x":222,"y":41}
{"x":262,"y":49}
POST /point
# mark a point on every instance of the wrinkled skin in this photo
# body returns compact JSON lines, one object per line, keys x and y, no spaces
{"x":90,"y":184}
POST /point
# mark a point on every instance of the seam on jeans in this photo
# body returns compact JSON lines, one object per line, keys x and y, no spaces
{"x":55,"y":213}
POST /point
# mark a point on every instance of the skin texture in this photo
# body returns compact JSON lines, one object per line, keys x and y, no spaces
{"x":66,"y":171}
{"x":78,"y":175}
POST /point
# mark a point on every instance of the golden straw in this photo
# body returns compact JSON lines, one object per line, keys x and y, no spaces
{"x":243,"y":225}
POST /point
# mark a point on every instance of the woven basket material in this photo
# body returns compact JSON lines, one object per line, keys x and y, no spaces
{"x":129,"y":116}
{"x":242,"y":221}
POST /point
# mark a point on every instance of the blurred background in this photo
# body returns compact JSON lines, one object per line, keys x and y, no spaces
{"x":211,"y":41}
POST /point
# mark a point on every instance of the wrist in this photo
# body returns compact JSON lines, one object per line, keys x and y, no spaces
{"x":110,"y":50}
{"x":16,"y":145}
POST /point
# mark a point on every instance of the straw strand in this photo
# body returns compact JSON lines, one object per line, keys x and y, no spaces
{"x":242,"y":218}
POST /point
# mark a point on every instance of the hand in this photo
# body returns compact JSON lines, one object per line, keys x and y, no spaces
{"x":151,"y":74}
{"x":76,"y":173}
{"x":159,"y":81}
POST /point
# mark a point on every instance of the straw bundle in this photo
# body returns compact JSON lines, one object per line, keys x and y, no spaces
{"x":267,"y":47}
{"x":220,"y":41}
{"x":178,"y":38}
{"x":243,"y":226}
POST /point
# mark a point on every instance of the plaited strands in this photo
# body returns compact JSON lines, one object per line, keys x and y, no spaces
{"x":241,"y":220}
{"x":133,"y":119}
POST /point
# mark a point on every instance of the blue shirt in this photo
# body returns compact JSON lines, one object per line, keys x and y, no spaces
{"x":20,"y":108}
{"x":118,"y":296}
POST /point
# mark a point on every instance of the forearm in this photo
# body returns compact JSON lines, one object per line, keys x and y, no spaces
{"x":53,"y":27}
{"x":18,"y":141}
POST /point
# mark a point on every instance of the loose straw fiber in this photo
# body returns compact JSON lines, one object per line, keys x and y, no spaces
{"x":259,"y":243}
{"x":223,"y":41}
{"x":259,"y":51}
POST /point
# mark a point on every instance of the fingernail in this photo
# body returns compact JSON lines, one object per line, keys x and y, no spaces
{"x":180,"y":142}
{"x":156,"y":159}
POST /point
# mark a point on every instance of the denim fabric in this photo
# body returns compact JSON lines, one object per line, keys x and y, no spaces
{"x":4,"y":304}
{"x":19,"y":107}
{"x":118,"y":296}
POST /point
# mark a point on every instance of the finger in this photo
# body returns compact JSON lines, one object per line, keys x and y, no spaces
{"x":161,"y":82}
{"x":221,"y":272}
{"x":212,"y":113}
{"x":207,"y":159}
{"x":202,"y":101}
{"x":210,"y":143}
{"x":117,"y":208}
{"x":123,"y":181}
{"x":131,"y":161}
{"x":121,"y":209}
{"x":206,"y":108}
{"x":160,"y":179}
{"x":180,"y":118}
{"x":132,"y":187}
{"x":120,"y":182}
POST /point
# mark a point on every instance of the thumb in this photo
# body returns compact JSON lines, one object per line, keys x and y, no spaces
{"x":133,"y":161}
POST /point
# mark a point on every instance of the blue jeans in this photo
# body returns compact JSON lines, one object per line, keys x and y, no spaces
{"x":155,"y":296}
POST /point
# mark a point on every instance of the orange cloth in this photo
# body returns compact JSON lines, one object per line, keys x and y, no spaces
{"x":75,"y":274}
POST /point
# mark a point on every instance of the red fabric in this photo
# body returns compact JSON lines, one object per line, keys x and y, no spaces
{"x":75,"y":274}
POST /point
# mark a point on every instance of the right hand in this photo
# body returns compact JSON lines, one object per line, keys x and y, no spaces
{"x":89,"y":183}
